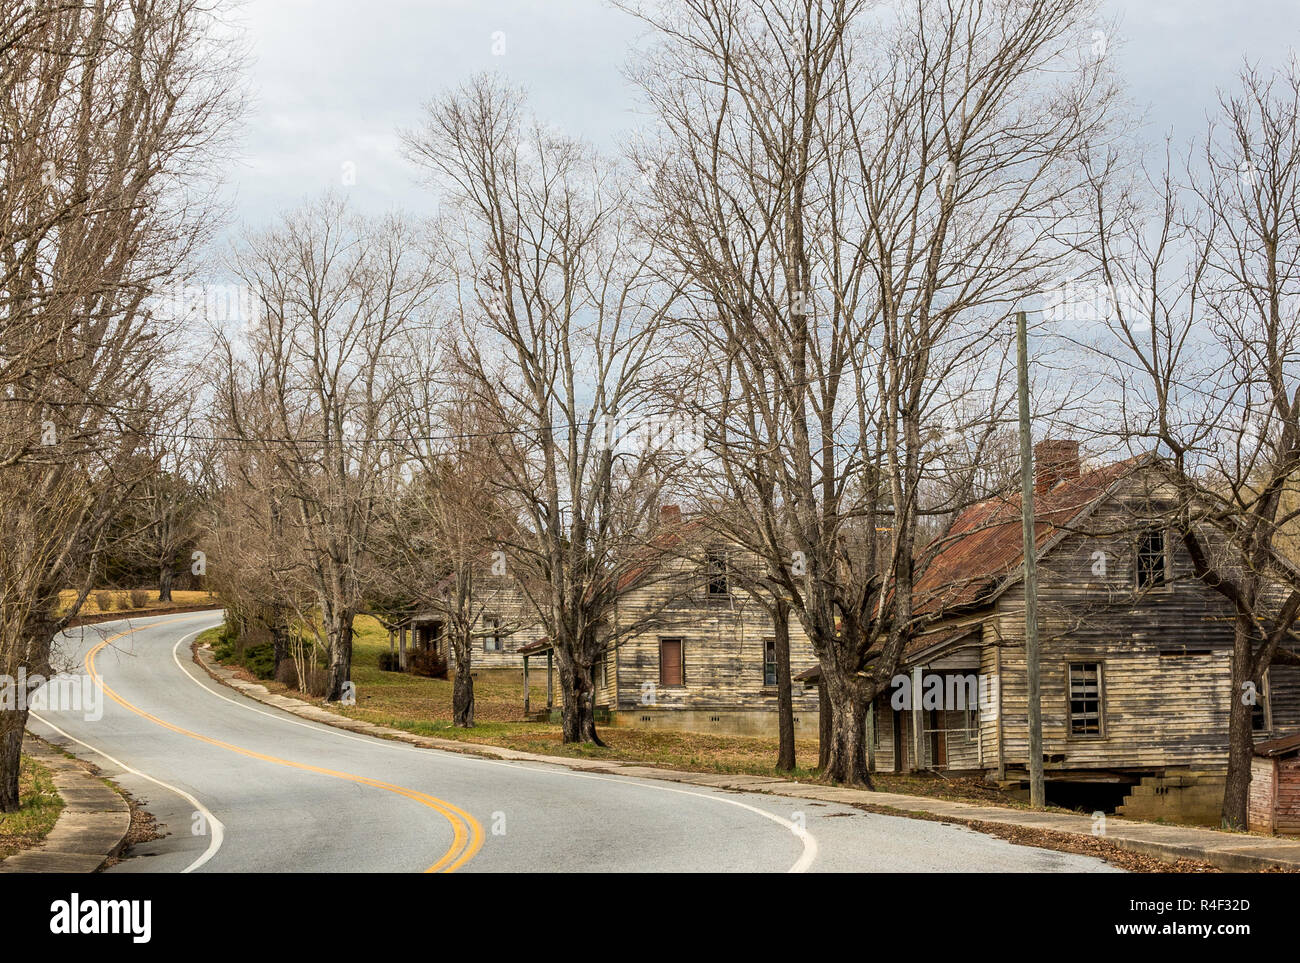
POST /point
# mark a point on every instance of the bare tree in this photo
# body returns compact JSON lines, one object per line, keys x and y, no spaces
{"x":314,"y":386}
{"x":559,"y":314}
{"x":855,"y":197}
{"x":1203,"y":275}
{"x":106,"y":108}
{"x":443,"y":520}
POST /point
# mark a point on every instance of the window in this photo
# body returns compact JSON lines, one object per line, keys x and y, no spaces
{"x":1085,"y":698}
{"x":492,"y":638}
{"x":1151,"y":558}
{"x":672,"y":669}
{"x":769,"y":662}
{"x":716,"y":562}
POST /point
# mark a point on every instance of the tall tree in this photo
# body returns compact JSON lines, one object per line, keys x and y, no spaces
{"x":1203,"y":276}
{"x":314,"y":388}
{"x":855,"y":195}
{"x":559,"y":316}
{"x":105,"y":108}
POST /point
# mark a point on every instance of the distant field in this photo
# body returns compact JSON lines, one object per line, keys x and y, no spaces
{"x":119,"y":600}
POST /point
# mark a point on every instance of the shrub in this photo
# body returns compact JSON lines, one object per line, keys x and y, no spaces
{"x":139,"y":598}
{"x":121,"y":600}
{"x":260,"y":660}
{"x":390,"y":662}
{"x":104,"y":600}
{"x":287,"y":674}
{"x":318,"y":679}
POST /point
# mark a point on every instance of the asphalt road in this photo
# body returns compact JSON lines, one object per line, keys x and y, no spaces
{"x":238,"y":786}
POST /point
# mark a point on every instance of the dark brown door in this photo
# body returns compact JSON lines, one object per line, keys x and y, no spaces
{"x":670,"y":662}
{"x":939,"y":748}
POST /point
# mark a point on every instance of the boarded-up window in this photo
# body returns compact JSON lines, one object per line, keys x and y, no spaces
{"x":717,"y":566}
{"x":1151,"y":558}
{"x":671,"y":667}
{"x":1085,"y":699}
{"x":769,"y":662}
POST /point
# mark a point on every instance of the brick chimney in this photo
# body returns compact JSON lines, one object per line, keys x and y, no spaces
{"x":1055,"y":460}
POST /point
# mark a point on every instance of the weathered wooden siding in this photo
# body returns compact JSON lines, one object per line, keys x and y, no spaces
{"x":1287,"y":810}
{"x":1164,"y":654}
{"x":722,"y":641}
{"x":500,"y":597}
{"x":1263,"y":795}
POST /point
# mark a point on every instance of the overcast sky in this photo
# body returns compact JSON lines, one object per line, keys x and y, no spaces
{"x":333,"y":80}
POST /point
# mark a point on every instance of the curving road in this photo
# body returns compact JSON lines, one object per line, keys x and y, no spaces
{"x":239,"y":786}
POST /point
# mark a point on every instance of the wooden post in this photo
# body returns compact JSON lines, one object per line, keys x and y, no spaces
{"x":550,"y":688}
{"x":401,"y":657}
{"x":1036,"y":787}
{"x":525,"y":687}
{"x":918,"y":758}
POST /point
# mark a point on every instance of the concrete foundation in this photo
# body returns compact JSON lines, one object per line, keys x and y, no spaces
{"x":726,"y":722}
{"x":1182,"y":797}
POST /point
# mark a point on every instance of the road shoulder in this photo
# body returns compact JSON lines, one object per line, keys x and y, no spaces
{"x":92,"y":827}
{"x":1184,"y":846}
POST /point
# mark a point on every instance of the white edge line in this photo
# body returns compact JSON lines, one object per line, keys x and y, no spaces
{"x":805,"y":860}
{"x":218,"y":828}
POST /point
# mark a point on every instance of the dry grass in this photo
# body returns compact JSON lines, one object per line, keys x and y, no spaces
{"x":423,"y":706}
{"x":120,"y":601}
{"x":41,"y":804}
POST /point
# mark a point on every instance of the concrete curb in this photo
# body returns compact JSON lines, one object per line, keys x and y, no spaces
{"x":1232,"y":852}
{"x":92,"y":826}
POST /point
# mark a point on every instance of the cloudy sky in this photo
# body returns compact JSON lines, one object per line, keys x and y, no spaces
{"x":333,"y":80}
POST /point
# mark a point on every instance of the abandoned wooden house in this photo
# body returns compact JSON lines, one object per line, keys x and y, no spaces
{"x":1135,"y":682}
{"x":692,"y":649}
{"x":503,"y":624}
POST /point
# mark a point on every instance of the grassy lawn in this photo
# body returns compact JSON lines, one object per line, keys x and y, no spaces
{"x":119,"y":601}
{"x":423,"y":706}
{"x":40,"y":810}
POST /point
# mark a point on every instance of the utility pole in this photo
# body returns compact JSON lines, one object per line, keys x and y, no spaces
{"x":1036,"y":790}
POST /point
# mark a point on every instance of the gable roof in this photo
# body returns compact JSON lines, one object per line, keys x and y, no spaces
{"x":984,"y":550}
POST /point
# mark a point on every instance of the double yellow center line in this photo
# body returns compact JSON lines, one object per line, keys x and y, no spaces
{"x":467,"y":834}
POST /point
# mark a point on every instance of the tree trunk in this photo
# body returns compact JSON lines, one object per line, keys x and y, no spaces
{"x":340,"y":636}
{"x":577,"y":712}
{"x":785,"y":758}
{"x":462,"y":693}
{"x":279,"y":642}
{"x":165,"y":584}
{"x":846,"y":755}
{"x":1241,"y":737}
{"x":12,"y":724}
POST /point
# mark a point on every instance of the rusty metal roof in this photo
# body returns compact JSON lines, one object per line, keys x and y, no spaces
{"x":1279,"y":747}
{"x":984,"y":549}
